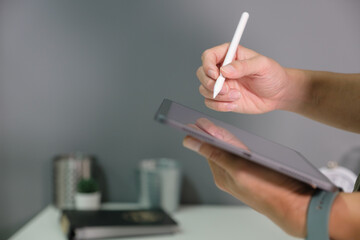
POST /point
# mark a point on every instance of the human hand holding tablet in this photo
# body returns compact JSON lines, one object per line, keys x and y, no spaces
{"x":205,"y":125}
{"x":240,"y":170}
{"x":254,"y":148}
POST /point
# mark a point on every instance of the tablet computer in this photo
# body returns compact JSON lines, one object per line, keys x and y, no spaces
{"x":244,"y":144}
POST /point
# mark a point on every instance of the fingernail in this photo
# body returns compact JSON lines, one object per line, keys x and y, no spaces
{"x":212,"y":74}
{"x":234,"y":94}
{"x":229,"y":69}
{"x":192,"y":144}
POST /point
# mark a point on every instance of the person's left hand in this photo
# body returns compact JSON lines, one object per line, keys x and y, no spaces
{"x":205,"y":125}
{"x":282,"y":199}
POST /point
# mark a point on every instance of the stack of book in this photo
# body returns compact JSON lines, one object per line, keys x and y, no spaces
{"x":119,"y":223}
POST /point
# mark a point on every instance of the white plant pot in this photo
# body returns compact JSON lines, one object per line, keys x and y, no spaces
{"x":87,"y":201}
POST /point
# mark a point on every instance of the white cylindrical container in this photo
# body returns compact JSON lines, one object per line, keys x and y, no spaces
{"x":159,"y":183}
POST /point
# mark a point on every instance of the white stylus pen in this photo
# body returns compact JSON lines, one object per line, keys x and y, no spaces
{"x":231,"y":51}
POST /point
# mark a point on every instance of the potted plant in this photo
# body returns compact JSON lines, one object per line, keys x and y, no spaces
{"x":87,"y":196}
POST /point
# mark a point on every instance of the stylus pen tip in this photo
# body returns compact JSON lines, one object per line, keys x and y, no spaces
{"x":215,"y":93}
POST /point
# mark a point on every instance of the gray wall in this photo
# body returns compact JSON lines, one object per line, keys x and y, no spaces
{"x":89,"y":75}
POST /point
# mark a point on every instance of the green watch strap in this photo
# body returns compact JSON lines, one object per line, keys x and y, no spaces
{"x":318,"y":215}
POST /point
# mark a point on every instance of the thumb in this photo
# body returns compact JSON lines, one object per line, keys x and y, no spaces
{"x":241,"y":68}
{"x":222,"y":158}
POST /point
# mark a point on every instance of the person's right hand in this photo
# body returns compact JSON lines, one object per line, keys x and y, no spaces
{"x":254,"y":83}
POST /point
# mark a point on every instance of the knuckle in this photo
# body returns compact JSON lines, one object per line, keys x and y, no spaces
{"x":201,"y":90}
{"x":209,"y":85}
{"x":216,"y":154}
{"x":264,"y":61}
{"x":265,"y":64}
{"x":240,"y":66}
{"x":204,"y":54}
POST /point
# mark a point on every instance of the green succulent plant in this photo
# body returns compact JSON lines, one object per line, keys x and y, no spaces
{"x":87,"y":185}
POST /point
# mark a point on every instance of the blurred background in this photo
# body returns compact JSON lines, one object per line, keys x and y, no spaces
{"x":89,"y":75}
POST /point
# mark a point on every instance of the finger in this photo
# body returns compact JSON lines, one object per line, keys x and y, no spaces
{"x":192,"y":143}
{"x":208,"y":82}
{"x":243,"y":53}
{"x":206,"y":126}
{"x":238,"y":69}
{"x":230,"y":96}
{"x":193,"y":126}
{"x":219,"y":132}
{"x":219,"y":174}
{"x":197,"y":128}
{"x":225,"y":160}
{"x":212,"y":57}
{"x":212,"y":129}
{"x":220,"y":105}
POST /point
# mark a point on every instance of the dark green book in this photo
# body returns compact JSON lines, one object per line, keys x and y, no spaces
{"x":116,"y":223}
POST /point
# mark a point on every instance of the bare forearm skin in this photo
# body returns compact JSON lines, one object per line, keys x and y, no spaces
{"x":333,"y":99}
{"x":345,"y":217}
{"x":330,"y":98}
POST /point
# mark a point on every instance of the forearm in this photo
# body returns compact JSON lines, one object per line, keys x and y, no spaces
{"x":331,"y":98}
{"x":344,"y":220}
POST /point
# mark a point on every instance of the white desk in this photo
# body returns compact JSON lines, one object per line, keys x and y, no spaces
{"x":196,"y":222}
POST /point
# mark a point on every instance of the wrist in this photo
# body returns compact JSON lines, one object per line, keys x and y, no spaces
{"x":335,"y":215}
{"x":290,"y":210}
{"x":298,"y":92}
{"x":318,"y":215}
{"x":296,"y":211}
